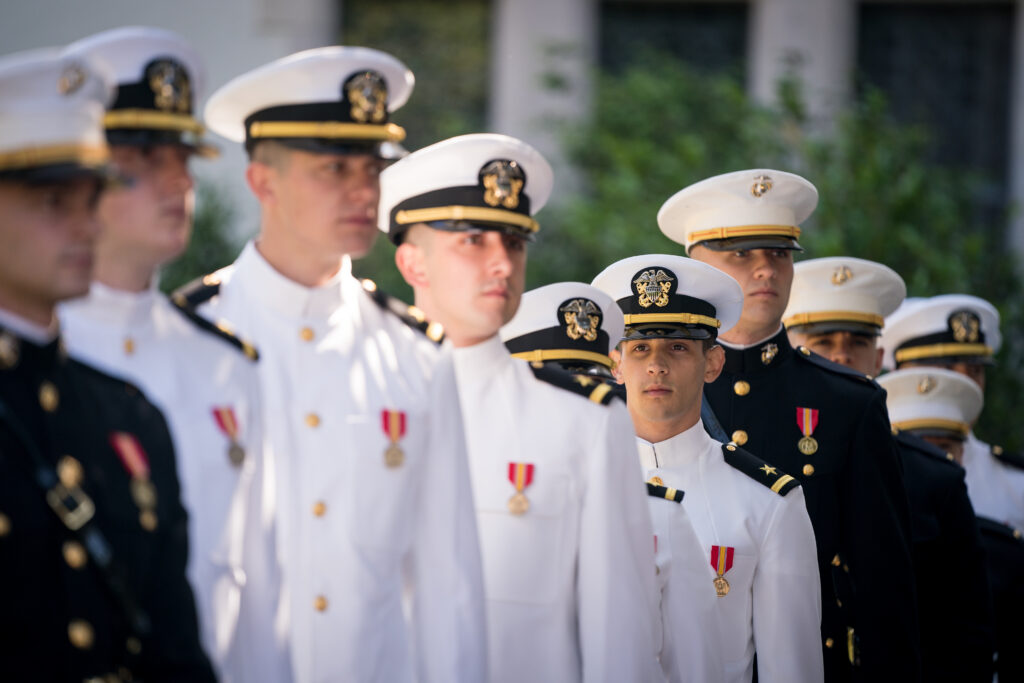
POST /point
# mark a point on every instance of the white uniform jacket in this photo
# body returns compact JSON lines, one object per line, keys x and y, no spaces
{"x":768,"y":557}
{"x":570,"y":581}
{"x":208,"y":392}
{"x":368,"y":496}
{"x":996,"y":489}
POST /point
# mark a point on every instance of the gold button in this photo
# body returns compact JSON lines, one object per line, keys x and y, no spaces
{"x":808,"y":470}
{"x":74,"y":554}
{"x":657,"y":481}
{"x":997,"y":450}
{"x":320,"y":603}
{"x":836,"y":561}
{"x":741,"y":388}
{"x":839,"y":603}
{"x":133,"y":645}
{"x":129,"y":346}
{"x":1017,"y":534}
{"x":829,"y":643}
{"x":49,"y":397}
{"x":70,"y":472}
{"x":740,"y":437}
{"x":147,"y":520}
{"x":80,"y":634}
{"x":730,"y":447}
{"x":5,"y":524}
{"x":319,"y":508}
{"x":313,"y":420}
{"x":306,"y":333}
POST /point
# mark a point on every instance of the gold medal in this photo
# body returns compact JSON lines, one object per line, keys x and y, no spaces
{"x":394,"y":456}
{"x":808,"y":445}
{"x":143,"y":493}
{"x":721,"y":586}
{"x":236,"y":454}
{"x":518,"y":504}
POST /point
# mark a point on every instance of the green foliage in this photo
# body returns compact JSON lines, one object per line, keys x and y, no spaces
{"x":212,"y":246}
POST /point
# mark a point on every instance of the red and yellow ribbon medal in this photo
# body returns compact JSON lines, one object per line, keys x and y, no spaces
{"x":393,"y":424}
{"x":721,"y":562}
{"x":807,"y":420}
{"x":521,"y":476}
{"x":134,"y":459}
{"x":228,"y":424}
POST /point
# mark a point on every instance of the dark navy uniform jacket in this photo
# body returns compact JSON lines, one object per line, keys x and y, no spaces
{"x":954,"y":602}
{"x":60,"y":622}
{"x":854,"y":491}
{"x":1004,"y":548}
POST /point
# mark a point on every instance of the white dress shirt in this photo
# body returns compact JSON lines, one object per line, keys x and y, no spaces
{"x":995,"y":488}
{"x":344,"y":533}
{"x":570,"y":582}
{"x":191,"y":375}
{"x":773,"y":605}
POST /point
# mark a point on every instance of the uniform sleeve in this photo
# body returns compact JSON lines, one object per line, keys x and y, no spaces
{"x":615,"y":583}
{"x":444,"y":570}
{"x":787,"y":597}
{"x":970,"y":604}
{"x":875,"y":533}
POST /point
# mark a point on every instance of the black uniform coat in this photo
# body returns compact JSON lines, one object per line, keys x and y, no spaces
{"x":954,"y":602}
{"x":855,"y":498}
{"x":41,"y":590}
{"x":1004,"y":547}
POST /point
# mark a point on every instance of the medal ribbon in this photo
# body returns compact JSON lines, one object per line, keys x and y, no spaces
{"x":520,"y":474}
{"x":393,"y":424}
{"x":807,"y":420}
{"x":129,"y":450}
{"x":227,"y":422}
{"x":721,"y":559}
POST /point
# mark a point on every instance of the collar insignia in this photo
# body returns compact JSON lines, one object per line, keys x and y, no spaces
{"x":768,"y":352}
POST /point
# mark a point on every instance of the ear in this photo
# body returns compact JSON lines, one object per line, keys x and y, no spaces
{"x":616,"y":357}
{"x":260,"y":178}
{"x":714,"y":362}
{"x":879,"y":354}
{"x":409,"y":258}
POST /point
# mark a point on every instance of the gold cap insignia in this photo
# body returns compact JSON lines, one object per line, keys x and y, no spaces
{"x":926,"y":384}
{"x":582,"y":318}
{"x":653,"y":287}
{"x":171,"y":88}
{"x":367,"y":93}
{"x":762,"y":184}
{"x":768,"y":352}
{"x":71,"y":79}
{"x":503,"y":180}
{"x":841,"y":275}
{"x":966,"y":326}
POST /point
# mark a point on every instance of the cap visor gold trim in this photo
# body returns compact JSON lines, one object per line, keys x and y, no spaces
{"x":960,"y":428}
{"x":326,"y":129}
{"x":32,"y":157}
{"x":941,"y":351}
{"x":744,"y":231}
{"x":564,"y":354}
{"x":158,"y":120}
{"x":678,"y":318}
{"x":833,"y":316}
{"x":466,"y":213}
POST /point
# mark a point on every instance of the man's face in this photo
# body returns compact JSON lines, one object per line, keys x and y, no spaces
{"x":949,"y":445}
{"x":665,"y":378}
{"x":974,"y":371}
{"x":149,"y":218}
{"x":327,"y":202}
{"x":852,"y":349}
{"x":473,"y":279}
{"x":47,"y":234}
{"x":765,"y":275}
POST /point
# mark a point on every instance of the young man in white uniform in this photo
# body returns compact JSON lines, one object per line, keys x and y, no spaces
{"x":564,"y":529}
{"x":368,"y":494}
{"x":751,"y":519}
{"x":204,"y":380}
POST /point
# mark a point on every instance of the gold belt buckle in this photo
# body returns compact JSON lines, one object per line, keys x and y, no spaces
{"x":76,"y":516}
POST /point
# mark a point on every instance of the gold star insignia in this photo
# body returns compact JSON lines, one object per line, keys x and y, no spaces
{"x":768,"y":469}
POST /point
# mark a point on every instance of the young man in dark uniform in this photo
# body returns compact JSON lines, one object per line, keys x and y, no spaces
{"x":824,"y":424}
{"x":93,"y":536}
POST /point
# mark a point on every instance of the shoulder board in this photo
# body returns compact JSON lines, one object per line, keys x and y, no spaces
{"x":758,"y":470}
{"x":592,"y":388}
{"x":1011,"y":459}
{"x":811,"y":357}
{"x":994,"y":528}
{"x":188,"y":298}
{"x":668,"y":493}
{"x":909,"y":441}
{"x":410,"y":315}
